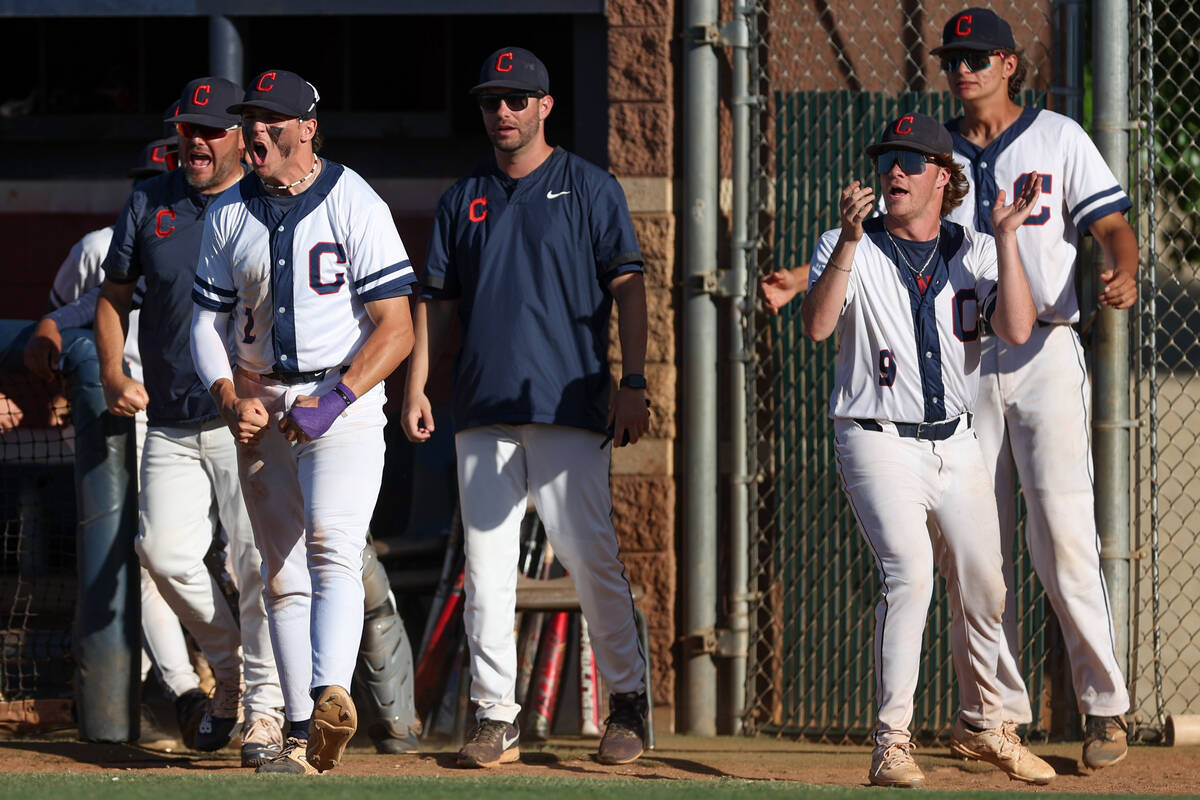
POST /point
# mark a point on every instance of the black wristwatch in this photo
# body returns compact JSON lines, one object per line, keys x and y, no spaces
{"x":633,"y":381}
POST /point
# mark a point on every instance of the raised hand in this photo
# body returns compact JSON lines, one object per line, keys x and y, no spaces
{"x":857,"y":202}
{"x":1006,"y":219}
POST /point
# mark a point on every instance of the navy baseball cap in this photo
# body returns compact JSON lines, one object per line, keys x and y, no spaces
{"x":513,"y":68}
{"x":157,"y":157}
{"x":205,"y":102}
{"x":976,"y":29}
{"x":916,"y":132}
{"x":281,"y":91}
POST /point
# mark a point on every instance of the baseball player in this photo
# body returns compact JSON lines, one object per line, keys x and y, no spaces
{"x":188,"y":469}
{"x":1038,"y":392}
{"x":907,"y":294}
{"x":73,"y":300}
{"x":544,"y":242}
{"x":303,"y":260}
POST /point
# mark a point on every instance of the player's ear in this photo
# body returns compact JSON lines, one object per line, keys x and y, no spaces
{"x":943,"y":177}
{"x":308,"y":129}
{"x":545,"y":104}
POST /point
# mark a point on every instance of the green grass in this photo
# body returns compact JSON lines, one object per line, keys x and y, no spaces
{"x":250,"y":787}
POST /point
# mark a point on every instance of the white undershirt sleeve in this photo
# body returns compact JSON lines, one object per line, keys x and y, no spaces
{"x":208,"y":345}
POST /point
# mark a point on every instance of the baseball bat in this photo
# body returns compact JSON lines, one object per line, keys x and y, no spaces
{"x":432,"y":668}
{"x":589,"y":684}
{"x":547,"y":674}
{"x":451,"y":566}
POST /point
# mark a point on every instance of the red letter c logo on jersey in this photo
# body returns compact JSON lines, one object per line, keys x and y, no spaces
{"x":504,"y":63}
{"x":963,"y":26}
{"x":159,"y":230}
{"x":200,"y":96}
{"x":477,"y":211}
{"x":266,"y":82}
{"x":904,"y":125}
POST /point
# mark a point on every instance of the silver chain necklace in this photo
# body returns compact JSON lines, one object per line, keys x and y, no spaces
{"x":920,"y":273}
{"x":293,"y":184}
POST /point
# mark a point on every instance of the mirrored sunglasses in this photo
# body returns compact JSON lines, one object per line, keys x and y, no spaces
{"x":911,"y":162}
{"x":190,"y":130}
{"x":976,"y":60}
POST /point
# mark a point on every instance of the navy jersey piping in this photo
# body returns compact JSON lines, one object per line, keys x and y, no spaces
{"x":924,"y":309}
{"x":985,"y":179}
{"x":283,"y":329}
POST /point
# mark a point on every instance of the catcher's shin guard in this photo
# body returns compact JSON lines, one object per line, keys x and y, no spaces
{"x":385,"y":661}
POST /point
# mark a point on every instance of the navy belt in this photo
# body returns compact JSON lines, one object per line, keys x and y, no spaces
{"x":928,"y":431}
{"x":985,"y":327}
{"x":292,"y":378}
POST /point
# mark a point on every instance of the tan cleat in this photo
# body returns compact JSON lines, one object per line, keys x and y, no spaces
{"x":893,"y":765}
{"x":290,"y":761}
{"x":1105,"y":741}
{"x":334,"y":722}
{"x":1001,"y":747}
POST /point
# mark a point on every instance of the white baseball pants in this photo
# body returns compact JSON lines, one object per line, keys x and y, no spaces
{"x":310,"y":506}
{"x":189,"y":484}
{"x":1034,"y":410}
{"x":920,"y":503}
{"x":162,"y":637}
{"x":565,"y":471}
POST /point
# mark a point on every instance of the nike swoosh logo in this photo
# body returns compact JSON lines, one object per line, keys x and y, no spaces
{"x":552,"y":195}
{"x":506,"y":742}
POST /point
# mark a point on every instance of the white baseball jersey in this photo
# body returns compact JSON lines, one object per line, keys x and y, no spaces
{"x":1078,"y":188}
{"x":318,"y":256}
{"x":76,"y":289}
{"x":905,"y":356}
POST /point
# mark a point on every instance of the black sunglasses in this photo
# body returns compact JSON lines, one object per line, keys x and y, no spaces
{"x":910,"y":161}
{"x":976,"y":60}
{"x":516,"y":101}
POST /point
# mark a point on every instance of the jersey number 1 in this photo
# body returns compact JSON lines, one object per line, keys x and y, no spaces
{"x":248,"y":331}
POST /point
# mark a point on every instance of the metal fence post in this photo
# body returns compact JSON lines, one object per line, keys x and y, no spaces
{"x":1110,"y":393}
{"x":699,"y":211}
{"x":739,"y":354}
{"x":225,"y":49}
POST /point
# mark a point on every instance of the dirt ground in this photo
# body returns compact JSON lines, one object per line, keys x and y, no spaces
{"x":1148,"y":770}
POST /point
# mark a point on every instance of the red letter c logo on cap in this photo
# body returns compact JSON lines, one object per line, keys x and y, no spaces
{"x":159,"y":154}
{"x":201,"y":95}
{"x":266,"y":82}
{"x":963,"y":26}
{"x":477,"y":211}
{"x":904,"y":125}
{"x":504,"y":63}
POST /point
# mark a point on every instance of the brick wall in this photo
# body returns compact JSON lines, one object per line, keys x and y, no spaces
{"x":641,"y":149}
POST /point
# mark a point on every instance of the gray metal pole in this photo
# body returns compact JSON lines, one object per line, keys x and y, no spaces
{"x":739,"y":350}
{"x":1110,"y":393}
{"x":1068,"y":27}
{"x":224,"y":49}
{"x":699,"y":398}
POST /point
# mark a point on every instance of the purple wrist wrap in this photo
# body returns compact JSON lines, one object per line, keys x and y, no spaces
{"x":315,"y":420}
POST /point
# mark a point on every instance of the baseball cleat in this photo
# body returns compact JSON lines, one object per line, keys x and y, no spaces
{"x":262,"y":740}
{"x":493,"y":742}
{"x":625,"y":735}
{"x":189,"y":710}
{"x":1105,"y":741}
{"x":290,"y":761}
{"x":1002,"y":748}
{"x":220,"y":718}
{"x":334,"y":722}
{"x":893,"y":765}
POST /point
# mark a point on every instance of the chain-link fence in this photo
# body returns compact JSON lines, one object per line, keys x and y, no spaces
{"x":37,"y":543}
{"x":1165,"y":642}
{"x":829,"y":75}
